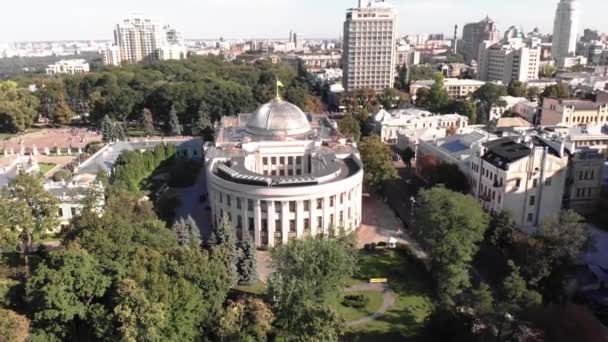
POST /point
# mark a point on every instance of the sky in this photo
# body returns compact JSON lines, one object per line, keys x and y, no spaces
{"x":35,"y":20}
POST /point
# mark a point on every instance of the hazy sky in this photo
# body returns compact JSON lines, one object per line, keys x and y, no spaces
{"x":78,"y":19}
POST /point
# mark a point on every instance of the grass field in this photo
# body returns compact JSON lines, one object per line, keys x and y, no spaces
{"x":46,"y":167}
{"x":413,"y":304}
{"x":352,"y":314}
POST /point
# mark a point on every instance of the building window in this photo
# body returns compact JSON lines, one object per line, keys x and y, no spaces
{"x":319,"y":203}
{"x":238,"y":203}
{"x":534,"y":182}
{"x":532,"y":200}
{"x":306,"y":224}
{"x":292,"y":207}
{"x":331,"y":201}
{"x":530,"y":217}
{"x":249,"y":204}
{"x":518,"y":183}
{"x":548,"y":181}
{"x":228,"y":200}
{"x":73,"y":210}
{"x":60,"y":212}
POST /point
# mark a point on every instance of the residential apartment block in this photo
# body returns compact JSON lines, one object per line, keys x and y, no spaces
{"x":505,"y":62}
{"x":524,"y":176}
{"x":584,"y":181}
{"x":139,"y":39}
{"x":473,"y":34}
{"x":369,"y":48}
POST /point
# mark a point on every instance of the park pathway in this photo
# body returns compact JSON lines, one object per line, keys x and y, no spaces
{"x":388,"y":300}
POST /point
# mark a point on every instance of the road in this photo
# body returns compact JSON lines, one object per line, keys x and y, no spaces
{"x":192,"y":206}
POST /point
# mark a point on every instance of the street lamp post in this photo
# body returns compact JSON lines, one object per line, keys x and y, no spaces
{"x":412,"y":204}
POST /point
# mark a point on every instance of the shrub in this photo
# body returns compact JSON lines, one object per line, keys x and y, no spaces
{"x":62,"y":175}
{"x":382,"y":244}
{"x":372,"y":246}
{"x":357,"y":301}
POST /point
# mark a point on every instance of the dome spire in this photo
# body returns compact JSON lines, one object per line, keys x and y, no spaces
{"x":279,"y":85}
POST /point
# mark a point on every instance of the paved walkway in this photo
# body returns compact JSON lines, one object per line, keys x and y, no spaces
{"x":381,"y":223}
{"x":191,"y":205}
{"x":388,"y":300}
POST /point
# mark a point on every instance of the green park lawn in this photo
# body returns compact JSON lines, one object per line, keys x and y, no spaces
{"x":46,"y":167}
{"x":413,"y":304}
{"x":353,"y":314}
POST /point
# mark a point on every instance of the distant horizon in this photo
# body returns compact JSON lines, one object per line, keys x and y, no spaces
{"x":238,"y":19}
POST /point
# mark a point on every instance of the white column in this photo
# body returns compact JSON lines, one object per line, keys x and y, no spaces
{"x":325,"y":215}
{"x":336,"y":213}
{"x":270,"y":219}
{"x":257,"y":222}
{"x":312,"y":217}
{"x":299,"y":219}
{"x":244,"y":218}
{"x":285,"y":221}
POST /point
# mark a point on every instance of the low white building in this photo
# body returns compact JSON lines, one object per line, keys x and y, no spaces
{"x":391,"y":124}
{"x":581,"y":137}
{"x":527,"y":110}
{"x":68,"y":66}
{"x":455,"y":87}
{"x":509,"y":103}
{"x":569,"y":62}
{"x":71,"y":198}
{"x":525,"y":176}
{"x":171,"y":52}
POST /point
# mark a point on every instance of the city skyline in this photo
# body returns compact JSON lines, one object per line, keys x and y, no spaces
{"x":233,"y":19}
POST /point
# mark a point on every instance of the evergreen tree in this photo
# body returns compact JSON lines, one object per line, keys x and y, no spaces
{"x":225,"y":238}
{"x":175,"y":128}
{"x":187,"y":231}
{"x":202,"y":125}
{"x":148,"y":122}
{"x":246,"y":265}
{"x":438,"y":95}
{"x":107,"y":129}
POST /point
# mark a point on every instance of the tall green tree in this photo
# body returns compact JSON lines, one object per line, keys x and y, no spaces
{"x":187,"y":232}
{"x":203,"y":126}
{"x":467,"y":108}
{"x":148,"y":122}
{"x":349,"y":126}
{"x":377,"y":161}
{"x":451,"y":225}
{"x":175,"y":128}
{"x":246,"y":320}
{"x":224,"y":237}
{"x":18,"y":107}
{"x":438,"y":96}
{"x":29,"y":210}
{"x":246,"y":261}
{"x":307,"y":274}
{"x":517,"y":88}
{"x":558,"y":91}
{"x":421,"y":72}
{"x":13,"y":326}
{"x":64,"y":289}
{"x":53,"y":103}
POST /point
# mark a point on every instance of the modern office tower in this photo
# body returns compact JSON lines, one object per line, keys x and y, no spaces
{"x":505,"y":62}
{"x":370,"y":34}
{"x":473,"y":34}
{"x":565,"y":29}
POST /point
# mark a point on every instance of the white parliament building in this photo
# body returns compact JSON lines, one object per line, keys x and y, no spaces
{"x":280,"y":174}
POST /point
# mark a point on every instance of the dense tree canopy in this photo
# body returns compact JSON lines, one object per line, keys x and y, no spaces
{"x":18,"y":107}
{"x":450,"y":225}
{"x":307,"y":274}
{"x":377,"y":161}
